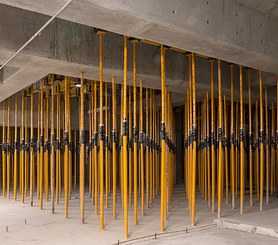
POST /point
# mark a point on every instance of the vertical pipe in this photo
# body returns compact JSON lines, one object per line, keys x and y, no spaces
{"x":22,"y":148}
{"x":226,"y":150}
{"x":241,"y":135}
{"x":266,"y":148}
{"x":32,"y":143}
{"x":135,"y":135}
{"x":4,"y":152}
{"x":261,"y":144}
{"x":141,"y":149}
{"x":212,"y":136}
{"x":106,"y":147}
{"x":101,"y":131}
{"x":257,"y":171}
{"x":82,"y":148}
{"x":250,"y":139}
{"x":46,"y":139}
{"x":9,"y":149}
{"x":220,"y":153}
{"x":163,"y":100}
{"x":114,"y":135}
{"x":272,"y":160}
{"x":66,"y":147}
{"x":15,"y":147}
{"x":95,"y":149}
{"x":194,"y":133}
{"x":208,"y":150}
{"x":125,"y":140}
{"x":41,"y":143}
{"x":58,"y":142}
{"x":232,"y":139}
{"x":52,"y":160}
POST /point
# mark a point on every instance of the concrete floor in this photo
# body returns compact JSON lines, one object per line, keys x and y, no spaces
{"x":42,"y":227}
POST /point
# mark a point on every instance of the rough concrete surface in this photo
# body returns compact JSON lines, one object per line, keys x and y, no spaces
{"x":42,"y":227}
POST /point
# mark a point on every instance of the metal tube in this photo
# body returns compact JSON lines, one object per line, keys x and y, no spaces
{"x":15,"y":147}
{"x":52,"y":159}
{"x":163,"y":101}
{"x":212,"y":136}
{"x":250,"y":139}
{"x":266,"y":149}
{"x":194,"y":127}
{"x":125,"y":140}
{"x":141,"y":150}
{"x":32,"y":154}
{"x":220,"y":152}
{"x":41,"y":143}
{"x":114,"y":153}
{"x":9,"y":149}
{"x":261,"y":143}
{"x":135,"y":135}
{"x":241,"y":132}
{"x":82,"y":148}
{"x":101,"y":131}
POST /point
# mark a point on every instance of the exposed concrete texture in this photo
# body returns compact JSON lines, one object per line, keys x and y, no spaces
{"x":227,"y":29}
{"x":67,"y":48}
{"x":42,"y":227}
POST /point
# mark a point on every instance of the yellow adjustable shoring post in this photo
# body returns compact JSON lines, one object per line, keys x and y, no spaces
{"x":15,"y":147}
{"x":141,"y":150}
{"x":4,"y":158}
{"x":96,"y":179}
{"x":220,"y":152}
{"x":194,"y":132}
{"x":153,"y":145}
{"x":46,"y":140}
{"x":190,"y":133}
{"x":58,"y":142}
{"x":66,"y":146}
{"x":266,"y":149}
{"x":241,"y":139}
{"x":147,"y":151}
{"x":150,"y":148}
{"x":125,"y":140}
{"x":226,"y":150}
{"x":9,"y":149}
{"x":41,"y":143}
{"x":82,"y":148}
{"x":52,"y":159}
{"x":129,"y":145}
{"x":250,"y":138}
{"x":70,"y":146}
{"x":90,"y":162}
{"x":135,"y":134}
{"x":261,"y":135}
{"x":106,"y":148}
{"x":38,"y":146}
{"x":256,"y":155}
{"x":212,"y":136}
{"x":26,"y":160}
{"x":236,"y":150}
{"x":276,"y":136}
{"x":208,"y":150}
{"x":75,"y":160}
{"x":22,"y":148}
{"x":114,"y":149}
{"x":272,"y":157}
{"x":32,"y":144}
{"x":163,"y":147}
{"x":232,"y":139}
{"x":101,"y":131}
